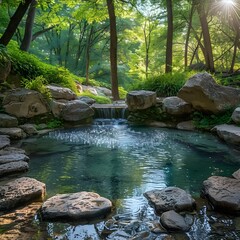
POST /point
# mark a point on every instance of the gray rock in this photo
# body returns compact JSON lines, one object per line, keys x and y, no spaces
{"x":76,"y":110}
{"x":76,"y":206}
{"x":25,"y":103}
{"x":87,"y":100}
{"x":229,"y":133}
{"x":140,"y":100}
{"x":205,"y":94}
{"x":11,"y":150}
{"x":90,"y":89}
{"x":57,"y":107}
{"x":13,"y":133}
{"x":223,"y":193}
{"x":61,"y":93}
{"x":104,"y":91}
{"x":13,"y":167}
{"x":173,"y":221}
{"x":186,"y":125}
{"x":236,"y":174}
{"x":8,"y":121}
{"x":176,"y":106}
{"x":236,"y":115}
{"x":14,"y":157}
{"x":170,"y":198}
{"x":20,"y":191}
{"x":4,"y":141}
{"x":29,"y":129}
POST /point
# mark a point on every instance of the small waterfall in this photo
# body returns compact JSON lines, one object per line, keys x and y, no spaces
{"x":110,"y":111}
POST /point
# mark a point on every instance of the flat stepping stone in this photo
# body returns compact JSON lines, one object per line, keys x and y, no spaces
{"x":13,"y":133}
{"x":173,"y":221}
{"x":223,"y":193}
{"x":4,"y":141}
{"x":11,"y":150}
{"x":8,"y":121}
{"x":79,"y":206}
{"x":13,"y":167}
{"x":19,"y":192}
{"x":14,"y":157}
{"x":170,"y":198}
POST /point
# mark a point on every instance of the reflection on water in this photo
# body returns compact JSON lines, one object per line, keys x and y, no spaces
{"x":121,"y":162}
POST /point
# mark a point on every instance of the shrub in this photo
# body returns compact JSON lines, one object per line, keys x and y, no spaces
{"x":164,"y":85}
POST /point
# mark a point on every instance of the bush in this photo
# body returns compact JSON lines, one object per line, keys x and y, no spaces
{"x":164,"y":85}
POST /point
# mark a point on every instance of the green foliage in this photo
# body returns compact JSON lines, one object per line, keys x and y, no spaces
{"x":206,"y":121}
{"x":164,"y":85}
{"x":99,"y":99}
{"x":54,"y":123}
{"x":233,"y":81}
{"x":4,"y":56}
{"x":122,"y":93}
{"x":37,"y":84}
{"x":30,"y":67}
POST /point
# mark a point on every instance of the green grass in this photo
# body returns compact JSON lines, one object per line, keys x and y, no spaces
{"x":98,"y":99}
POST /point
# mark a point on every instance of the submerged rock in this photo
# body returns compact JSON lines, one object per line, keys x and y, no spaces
{"x":137,"y":100}
{"x":205,"y":94}
{"x":173,"y":221}
{"x":223,"y":193}
{"x":19,"y":192}
{"x":81,"y":206}
{"x":186,"y":125}
{"x":170,"y":198}
{"x":229,"y":133}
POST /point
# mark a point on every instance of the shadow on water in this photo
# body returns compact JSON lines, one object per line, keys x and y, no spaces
{"x":121,"y":162}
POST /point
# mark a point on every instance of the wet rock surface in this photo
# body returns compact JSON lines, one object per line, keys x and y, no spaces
{"x":223,"y":193}
{"x":170,"y":198}
{"x":80,"y":206}
{"x":8,"y":121}
{"x":173,"y":221}
{"x":19,"y":192}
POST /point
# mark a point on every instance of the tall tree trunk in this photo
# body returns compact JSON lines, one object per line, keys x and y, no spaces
{"x":88,"y":46}
{"x":14,"y":22}
{"x":29,"y":27}
{"x":113,"y":49}
{"x":208,"y":54}
{"x":169,"y":47}
{"x":188,"y":36}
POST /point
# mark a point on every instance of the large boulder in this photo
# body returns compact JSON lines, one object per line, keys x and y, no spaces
{"x":173,"y":221}
{"x":87,"y":100}
{"x":176,"y":106}
{"x":229,"y":133}
{"x":7,"y":121}
{"x":57,"y":107}
{"x":76,"y":110}
{"x":236,"y":115}
{"x":80,"y":206}
{"x":20,"y":191}
{"x":25,"y":103}
{"x":61,"y":93}
{"x":137,"y":100}
{"x":223,"y":193}
{"x":170,"y":198}
{"x":206,"y":95}
{"x":104,"y":91}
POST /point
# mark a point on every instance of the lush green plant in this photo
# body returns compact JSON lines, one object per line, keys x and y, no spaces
{"x":37,"y":84}
{"x":54,"y":123}
{"x":99,"y":99}
{"x":164,"y":85}
{"x":122,"y":93}
{"x":4,"y":56}
{"x":206,"y":121}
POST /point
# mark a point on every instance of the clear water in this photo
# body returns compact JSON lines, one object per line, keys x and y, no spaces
{"x":121,"y":162}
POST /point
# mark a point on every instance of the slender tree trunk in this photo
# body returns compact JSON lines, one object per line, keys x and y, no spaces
{"x":236,"y":42}
{"x":14,"y":22}
{"x":113,"y":49}
{"x":88,"y":46}
{"x":206,"y":38}
{"x":29,"y":27}
{"x":187,"y":37}
{"x":169,"y":47}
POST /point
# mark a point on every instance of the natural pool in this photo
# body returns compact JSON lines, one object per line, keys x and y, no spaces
{"x":121,"y":162}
